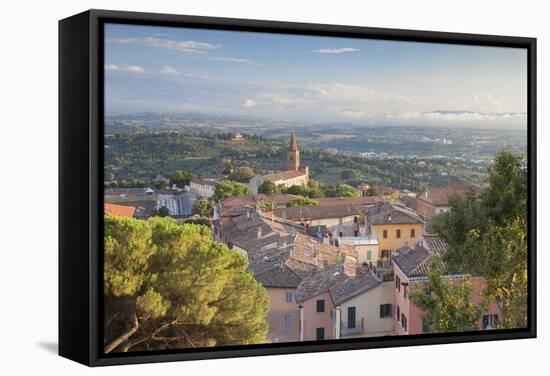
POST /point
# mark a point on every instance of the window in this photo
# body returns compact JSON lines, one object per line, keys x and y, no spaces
{"x":355,"y":233}
{"x":398,"y":314}
{"x":490,"y":321}
{"x":385,"y":311}
{"x":398,"y":233}
{"x":386,"y":253}
{"x":354,"y":219}
{"x":385,"y":234}
{"x":397,"y":283}
{"x":405,"y":292}
{"x":288,"y":321}
{"x":320,"y":334}
{"x":288,"y":297}
{"x":341,"y":234}
{"x":413,"y":233}
{"x":321,"y":305}
{"x":404,"y":321}
{"x":369,"y":255}
{"x":351,"y":317}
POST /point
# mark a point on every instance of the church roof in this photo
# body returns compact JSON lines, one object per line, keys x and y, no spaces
{"x":285,"y":175}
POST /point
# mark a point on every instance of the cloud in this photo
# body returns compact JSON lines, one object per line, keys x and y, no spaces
{"x":249,"y":103}
{"x":169,"y":70}
{"x":471,"y":115}
{"x":236,"y":60}
{"x":134,"y":69}
{"x":351,"y":112}
{"x":111,"y":67}
{"x":127,"y":68}
{"x":486,"y":103}
{"x":172,"y":44}
{"x":342,"y":50}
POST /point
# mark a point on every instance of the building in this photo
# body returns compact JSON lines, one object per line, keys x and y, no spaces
{"x":143,"y":200}
{"x":337,"y":201}
{"x":411,"y":265}
{"x":119,"y":210}
{"x":365,"y":246}
{"x":344,"y":300}
{"x":179,"y":205}
{"x":283,"y":317}
{"x":293,"y":175}
{"x":279,"y":255}
{"x":317,"y":309}
{"x":340,"y":220}
{"x":364,"y":305}
{"x":363,"y":188}
{"x":238,"y":137}
{"x":293,"y":154}
{"x":408,"y":200}
{"x":203,"y":187}
{"x":435,"y":200}
{"x":393,"y":227}
{"x":289,"y":178}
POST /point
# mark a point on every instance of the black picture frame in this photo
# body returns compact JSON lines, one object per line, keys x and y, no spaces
{"x":81,"y":198}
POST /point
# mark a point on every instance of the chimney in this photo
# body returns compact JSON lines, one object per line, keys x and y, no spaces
{"x":259,"y":232}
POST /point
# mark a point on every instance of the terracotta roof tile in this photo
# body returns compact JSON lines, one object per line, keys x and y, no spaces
{"x":119,"y":210}
{"x":318,"y":212}
{"x":386,"y":213}
{"x":439,"y":196}
{"x":285,"y":175}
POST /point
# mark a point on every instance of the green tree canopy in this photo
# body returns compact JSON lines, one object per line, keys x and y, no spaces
{"x":242,"y":174}
{"x":349,"y":175}
{"x":487,"y":235}
{"x":298,"y":190}
{"x":342,"y":190}
{"x":269,"y":188}
{"x":202,"y":207}
{"x":163,"y":211}
{"x":302,"y":201}
{"x":447,"y":307}
{"x":182,"y":177}
{"x":228,"y":188}
{"x":373,"y":191}
{"x":315,"y":189}
{"x":168,"y":286}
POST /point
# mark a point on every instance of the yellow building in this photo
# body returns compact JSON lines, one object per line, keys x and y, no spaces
{"x":393,"y":227}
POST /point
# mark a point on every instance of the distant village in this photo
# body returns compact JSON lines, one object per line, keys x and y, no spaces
{"x":343,"y":268}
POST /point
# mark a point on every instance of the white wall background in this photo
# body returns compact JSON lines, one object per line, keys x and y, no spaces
{"x":28,"y":182}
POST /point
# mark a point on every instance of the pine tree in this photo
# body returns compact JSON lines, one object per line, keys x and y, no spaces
{"x":168,"y":285}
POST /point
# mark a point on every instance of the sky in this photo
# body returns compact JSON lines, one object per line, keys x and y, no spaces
{"x":312,"y":78}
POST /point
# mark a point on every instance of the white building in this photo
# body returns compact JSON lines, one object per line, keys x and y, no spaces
{"x":202,"y":187}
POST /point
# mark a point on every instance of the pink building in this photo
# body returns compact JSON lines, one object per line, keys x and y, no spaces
{"x":317,"y":309}
{"x":411,"y":266}
{"x":317,"y":318}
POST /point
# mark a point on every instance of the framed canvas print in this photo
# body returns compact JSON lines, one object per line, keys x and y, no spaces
{"x":236,"y":187}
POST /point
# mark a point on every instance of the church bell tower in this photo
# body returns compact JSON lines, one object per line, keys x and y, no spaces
{"x":293,"y":154}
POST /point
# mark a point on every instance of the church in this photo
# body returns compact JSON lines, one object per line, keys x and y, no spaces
{"x":294,"y":175}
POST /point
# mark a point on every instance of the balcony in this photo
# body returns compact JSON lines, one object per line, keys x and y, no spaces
{"x":354,"y":327}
